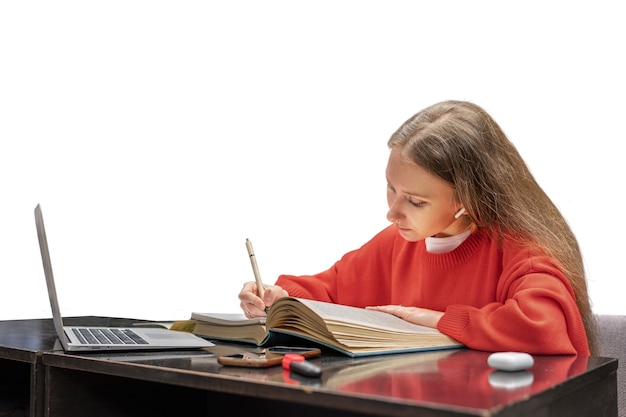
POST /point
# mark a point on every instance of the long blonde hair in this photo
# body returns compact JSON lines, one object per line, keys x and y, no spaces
{"x":459,"y":142}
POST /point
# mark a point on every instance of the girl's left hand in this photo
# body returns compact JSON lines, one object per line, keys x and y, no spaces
{"x":416,"y":315}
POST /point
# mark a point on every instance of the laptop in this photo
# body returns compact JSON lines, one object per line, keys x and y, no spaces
{"x":84,"y":339}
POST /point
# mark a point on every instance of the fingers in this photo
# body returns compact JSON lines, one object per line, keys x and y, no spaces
{"x":273,"y":293}
{"x":416,"y":315}
{"x":405,"y":313}
{"x":396,"y":310}
{"x":250,"y":302}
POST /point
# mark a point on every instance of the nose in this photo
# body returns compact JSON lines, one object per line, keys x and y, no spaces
{"x":393,"y":214}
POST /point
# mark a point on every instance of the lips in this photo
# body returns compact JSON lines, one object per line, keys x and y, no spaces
{"x":402,"y":229}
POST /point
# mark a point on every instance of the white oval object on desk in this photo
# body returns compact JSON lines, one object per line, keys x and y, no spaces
{"x":510,"y":361}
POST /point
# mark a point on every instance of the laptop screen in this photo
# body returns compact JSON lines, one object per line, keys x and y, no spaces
{"x":47,"y":267}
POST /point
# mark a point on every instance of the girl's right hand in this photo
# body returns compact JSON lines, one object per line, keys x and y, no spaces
{"x":251,"y":303}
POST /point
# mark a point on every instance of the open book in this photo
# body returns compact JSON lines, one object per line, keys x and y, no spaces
{"x":350,"y":330}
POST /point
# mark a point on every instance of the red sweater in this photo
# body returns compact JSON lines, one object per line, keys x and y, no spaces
{"x":494,"y":297}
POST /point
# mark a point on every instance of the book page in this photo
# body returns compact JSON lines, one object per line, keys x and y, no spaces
{"x":367,"y":319}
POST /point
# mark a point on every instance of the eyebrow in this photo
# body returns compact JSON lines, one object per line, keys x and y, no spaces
{"x":410,"y":194}
{"x":419,"y":196}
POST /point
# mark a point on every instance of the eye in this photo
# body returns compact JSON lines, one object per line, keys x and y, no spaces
{"x":416,"y":203}
{"x":409,"y":198}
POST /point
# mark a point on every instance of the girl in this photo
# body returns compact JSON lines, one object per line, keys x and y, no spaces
{"x":476,"y":249}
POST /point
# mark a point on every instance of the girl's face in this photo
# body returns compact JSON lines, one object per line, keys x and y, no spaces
{"x":420,"y":204}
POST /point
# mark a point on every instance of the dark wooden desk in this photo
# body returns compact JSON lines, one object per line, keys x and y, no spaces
{"x":445,"y":383}
{"x":22,"y":343}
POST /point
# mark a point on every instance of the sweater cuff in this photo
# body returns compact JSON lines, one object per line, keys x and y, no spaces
{"x":454,"y":321}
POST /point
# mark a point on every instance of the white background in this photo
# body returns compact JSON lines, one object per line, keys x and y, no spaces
{"x":158,"y":136}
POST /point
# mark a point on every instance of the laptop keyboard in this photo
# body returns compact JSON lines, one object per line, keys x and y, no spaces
{"x":108,"y":336}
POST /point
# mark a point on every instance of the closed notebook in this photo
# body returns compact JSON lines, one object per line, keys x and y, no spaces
{"x":349,"y":330}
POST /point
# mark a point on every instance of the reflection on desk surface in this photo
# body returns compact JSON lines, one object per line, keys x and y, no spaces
{"x":459,"y":378}
{"x":453,"y":377}
{"x":197,"y":360}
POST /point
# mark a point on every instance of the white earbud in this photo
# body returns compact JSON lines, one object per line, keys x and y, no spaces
{"x":459,"y":213}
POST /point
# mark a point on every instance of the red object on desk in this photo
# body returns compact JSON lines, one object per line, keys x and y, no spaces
{"x":296,"y":363}
{"x":291,"y":357}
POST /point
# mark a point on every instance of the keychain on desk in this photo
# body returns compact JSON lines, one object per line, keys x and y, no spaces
{"x":296,"y":363}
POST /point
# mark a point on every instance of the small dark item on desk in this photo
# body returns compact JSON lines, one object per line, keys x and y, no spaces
{"x":296,"y":363}
{"x":269,"y":357}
